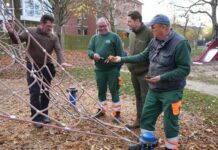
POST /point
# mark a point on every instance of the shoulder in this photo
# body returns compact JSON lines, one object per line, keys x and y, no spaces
{"x":32,"y":29}
{"x":179,"y":37}
{"x":183,"y":43}
{"x":53,"y":36}
{"x":112,"y":34}
{"x":93,"y":38}
{"x":132,"y":34}
{"x":145,"y":29}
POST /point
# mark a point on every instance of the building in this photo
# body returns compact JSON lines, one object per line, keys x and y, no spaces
{"x":123,"y":6}
{"x":31,"y":10}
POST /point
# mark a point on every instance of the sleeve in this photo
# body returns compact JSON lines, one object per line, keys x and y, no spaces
{"x":139,"y":58}
{"x":91,"y":47}
{"x":14,"y":37}
{"x":58,"y":51}
{"x":23,"y":36}
{"x":183,"y":63}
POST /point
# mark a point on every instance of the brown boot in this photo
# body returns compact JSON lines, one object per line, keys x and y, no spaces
{"x":135,"y":125}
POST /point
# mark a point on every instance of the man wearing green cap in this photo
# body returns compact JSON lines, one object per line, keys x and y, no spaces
{"x":168,"y":56}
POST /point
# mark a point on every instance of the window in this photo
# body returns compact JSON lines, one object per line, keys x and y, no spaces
{"x":32,"y":10}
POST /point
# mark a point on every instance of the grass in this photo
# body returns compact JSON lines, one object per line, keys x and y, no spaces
{"x":83,"y":74}
{"x":126,"y":87}
{"x":207,"y":79}
{"x":192,"y":101}
{"x":196,"y":52}
{"x":205,"y":104}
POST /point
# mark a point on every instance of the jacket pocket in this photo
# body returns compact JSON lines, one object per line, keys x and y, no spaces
{"x":166,"y":59}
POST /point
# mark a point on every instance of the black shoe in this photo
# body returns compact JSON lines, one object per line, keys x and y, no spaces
{"x":99,"y":114}
{"x":135,"y":146}
{"x":46,"y":120}
{"x":117,"y":118}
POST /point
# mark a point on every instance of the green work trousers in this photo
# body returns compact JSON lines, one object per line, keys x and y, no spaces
{"x":158,"y":102}
{"x":109,"y":78}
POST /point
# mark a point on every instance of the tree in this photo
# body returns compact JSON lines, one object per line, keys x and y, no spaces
{"x":17,"y":10}
{"x":99,"y":8}
{"x":207,"y":7}
{"x":61,"y":12}
{"x":81,"y":9}
{"x":110,"y":10}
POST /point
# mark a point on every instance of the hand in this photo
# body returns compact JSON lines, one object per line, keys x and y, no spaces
{"x":114,"y":59}
{"x":9,"y":27}
{"x":153,"y":79}
{"x":97,"y":57}
{"x":66,"y":65}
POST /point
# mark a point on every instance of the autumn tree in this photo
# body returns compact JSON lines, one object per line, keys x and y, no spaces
{"x":81,"y":9}
{"x":110,"y":10}
{"x":60,"y":10}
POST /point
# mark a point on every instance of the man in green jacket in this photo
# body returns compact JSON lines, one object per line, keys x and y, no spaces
{"x":101,"y":46}
{"x":168,"y":56}
{"x":139,"y":39}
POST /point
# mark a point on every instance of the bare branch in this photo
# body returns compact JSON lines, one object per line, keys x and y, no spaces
{"x":206,"y":2}
{"x":202,"y":12}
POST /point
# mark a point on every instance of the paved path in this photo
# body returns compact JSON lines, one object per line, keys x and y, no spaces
{"x":198,"y":86}
{"x":202,"y":87}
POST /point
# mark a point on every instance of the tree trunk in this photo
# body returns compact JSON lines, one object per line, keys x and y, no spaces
{"x":213,"y":16}
{"x":59,"y":33}
{"x":58,"y":27}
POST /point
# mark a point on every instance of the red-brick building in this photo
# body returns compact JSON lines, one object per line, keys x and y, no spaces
{"x":73,"y":26}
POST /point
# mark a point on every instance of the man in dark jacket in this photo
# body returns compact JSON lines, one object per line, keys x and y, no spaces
{"x":39,"y":65}
{"x":168,"y":55}
{"x":139,"y":39}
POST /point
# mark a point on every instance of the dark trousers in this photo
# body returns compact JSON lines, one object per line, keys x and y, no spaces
{"x":140,"y":89}
{"x":39,"y":91}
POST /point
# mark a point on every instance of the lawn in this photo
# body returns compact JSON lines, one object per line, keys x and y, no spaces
{"x":193,"y":101}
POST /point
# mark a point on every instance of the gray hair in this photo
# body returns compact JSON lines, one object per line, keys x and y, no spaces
{"x":105,"y":20}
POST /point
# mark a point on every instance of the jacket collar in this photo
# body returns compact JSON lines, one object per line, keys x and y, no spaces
{"x":39,"y":31}
{"x":142,"y":27}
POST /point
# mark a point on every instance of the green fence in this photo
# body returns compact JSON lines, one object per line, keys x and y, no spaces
{"x":78,"y":42}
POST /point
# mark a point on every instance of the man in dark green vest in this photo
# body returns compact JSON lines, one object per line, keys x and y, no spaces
{"x":169,"y":59}
{"x":138,"y":41}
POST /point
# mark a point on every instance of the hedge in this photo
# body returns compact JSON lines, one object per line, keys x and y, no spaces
{"x":79,"y":42}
